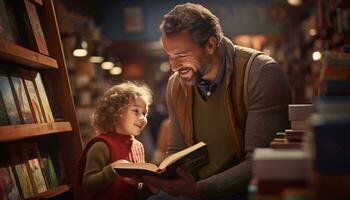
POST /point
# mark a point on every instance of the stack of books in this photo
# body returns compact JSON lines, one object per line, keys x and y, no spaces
{"x":292,"y":138}
{"x":330,"y":125}
{"x":277,"y":170}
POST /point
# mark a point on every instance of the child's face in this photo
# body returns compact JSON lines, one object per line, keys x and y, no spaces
{"x":133,"y":119}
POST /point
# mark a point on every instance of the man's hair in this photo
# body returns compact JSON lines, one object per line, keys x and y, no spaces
{"x":114,"y":101}
{"x":194,"y":18}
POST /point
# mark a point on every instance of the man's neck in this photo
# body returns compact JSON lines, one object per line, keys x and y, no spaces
{"x":216,"y":62}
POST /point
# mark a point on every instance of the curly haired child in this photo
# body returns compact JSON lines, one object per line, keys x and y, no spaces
{"x":120,"y":116}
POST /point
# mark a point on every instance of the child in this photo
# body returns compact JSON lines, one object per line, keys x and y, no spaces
{"x":120,"y":115}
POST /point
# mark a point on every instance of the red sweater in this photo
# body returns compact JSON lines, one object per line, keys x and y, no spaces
{"x":120,"y":147}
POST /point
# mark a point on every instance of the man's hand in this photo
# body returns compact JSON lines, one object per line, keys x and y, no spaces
{"x":183,"y":185}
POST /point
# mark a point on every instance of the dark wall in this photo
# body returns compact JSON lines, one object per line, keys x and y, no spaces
{"x":237,"y":17}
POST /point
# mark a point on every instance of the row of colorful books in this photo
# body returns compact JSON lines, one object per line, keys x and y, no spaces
{"x":23,"y":98}
{"x":335,"y":74}
{"x":27,"y":170}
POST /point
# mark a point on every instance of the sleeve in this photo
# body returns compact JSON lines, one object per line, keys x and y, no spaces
{"x":176,"y":139}
{"x":98,"y":174}
{"x":268,"y":99}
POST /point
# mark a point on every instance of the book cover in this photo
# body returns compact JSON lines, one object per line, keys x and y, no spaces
{"x":57,"y":161}
{"x":43,"y":97}
{"x":52,"y":98}
{"x":8,"y":98}
{"x":21,"y":171}
{"x":33,"y":97}
{"x":48,"y":170}
{"x":295,"y":135}
{"x":36,"y":27}
{"x":279,"y":164}
{"x":31,"y":154}
{"x":298,"y":112}
{"x":332,"y":144}
{"x":300,"y":125}
{"x":21,"y":99}
{"x":45,"y":164}
{"x":3,"y":115}
{"x":8,"y":184}
{"x":191,"y":159}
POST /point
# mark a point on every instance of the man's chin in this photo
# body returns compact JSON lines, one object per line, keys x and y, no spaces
{"x":189,"y":81}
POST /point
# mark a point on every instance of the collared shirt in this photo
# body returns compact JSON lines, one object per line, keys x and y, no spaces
{"x":206,"y":89}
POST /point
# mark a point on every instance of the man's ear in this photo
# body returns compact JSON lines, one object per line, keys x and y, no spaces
{"x":212,"y":44}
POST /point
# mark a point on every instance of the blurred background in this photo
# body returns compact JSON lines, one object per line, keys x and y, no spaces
{"x":106,"y":42}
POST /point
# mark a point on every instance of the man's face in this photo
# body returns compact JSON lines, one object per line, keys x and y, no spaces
{"x":190,"y":60}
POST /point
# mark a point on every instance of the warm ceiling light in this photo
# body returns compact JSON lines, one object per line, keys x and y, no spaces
{"x":316,"y":55}
{"x":294,"y":2}
{"x":96,"y":59}
{"x":81,"y":47}
{"x":115,"y":71}
{"x":107,"y":65}
{"x":80,"y":52}
{"x":312,"y":32}
{"x":164,"y":67}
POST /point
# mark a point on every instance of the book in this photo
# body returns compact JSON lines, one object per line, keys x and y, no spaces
{"x":32,"y":157}
{"x":3,"y":115}
{"x":36,"y":27}
{"x":298,"y":112}
{"x":8,"y":184}
{"x":47,"y":81}
{"x":43,"y":97}
{"x":49,"y":170}
{"x":300,"y":125}
{"x":279,"y":164}
{"x":8,"y":98}
{"x":21,"y":99}
{"x":295,"y":135}
{"x":21,"y":171}
{"x":191,"y":159}
{"x":33,"y":97}
{"x":284,"y":143}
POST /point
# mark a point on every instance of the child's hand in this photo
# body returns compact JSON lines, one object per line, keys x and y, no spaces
{"x":128,"y":180}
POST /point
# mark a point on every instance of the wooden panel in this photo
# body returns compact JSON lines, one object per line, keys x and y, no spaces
{"x":72,"y":142}
{"x":17,"y":132}
{"x":21,"y":55}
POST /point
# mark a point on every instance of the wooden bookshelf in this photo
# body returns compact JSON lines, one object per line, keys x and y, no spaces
{"x":18,"y":132}
{"x":63,"y":133}
{"x":52,"y":192}
{"x":29,"y":58}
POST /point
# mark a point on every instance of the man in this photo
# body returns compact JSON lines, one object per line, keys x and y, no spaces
{"x":230,"y":97}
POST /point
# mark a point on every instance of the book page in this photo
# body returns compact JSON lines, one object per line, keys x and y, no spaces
{"x":176,"y":156}
{"x":143,"y":166}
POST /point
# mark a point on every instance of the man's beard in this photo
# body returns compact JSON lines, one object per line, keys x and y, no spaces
{"x":197,"y":75}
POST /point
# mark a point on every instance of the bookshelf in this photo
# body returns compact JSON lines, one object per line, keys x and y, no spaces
{"x":62,"y":134}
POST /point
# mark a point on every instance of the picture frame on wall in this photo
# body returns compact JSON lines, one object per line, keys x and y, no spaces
{"x":133,"y":19}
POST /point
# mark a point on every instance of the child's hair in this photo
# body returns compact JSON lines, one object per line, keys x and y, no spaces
{"x":114,"y":101}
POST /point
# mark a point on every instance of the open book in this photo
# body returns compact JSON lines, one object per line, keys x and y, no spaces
{"x":191,"y":159}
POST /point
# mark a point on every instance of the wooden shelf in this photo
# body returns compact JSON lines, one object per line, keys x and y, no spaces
{"x":52,"y":192}
{"x":17,"y":132}
{"x":27,"y":57}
